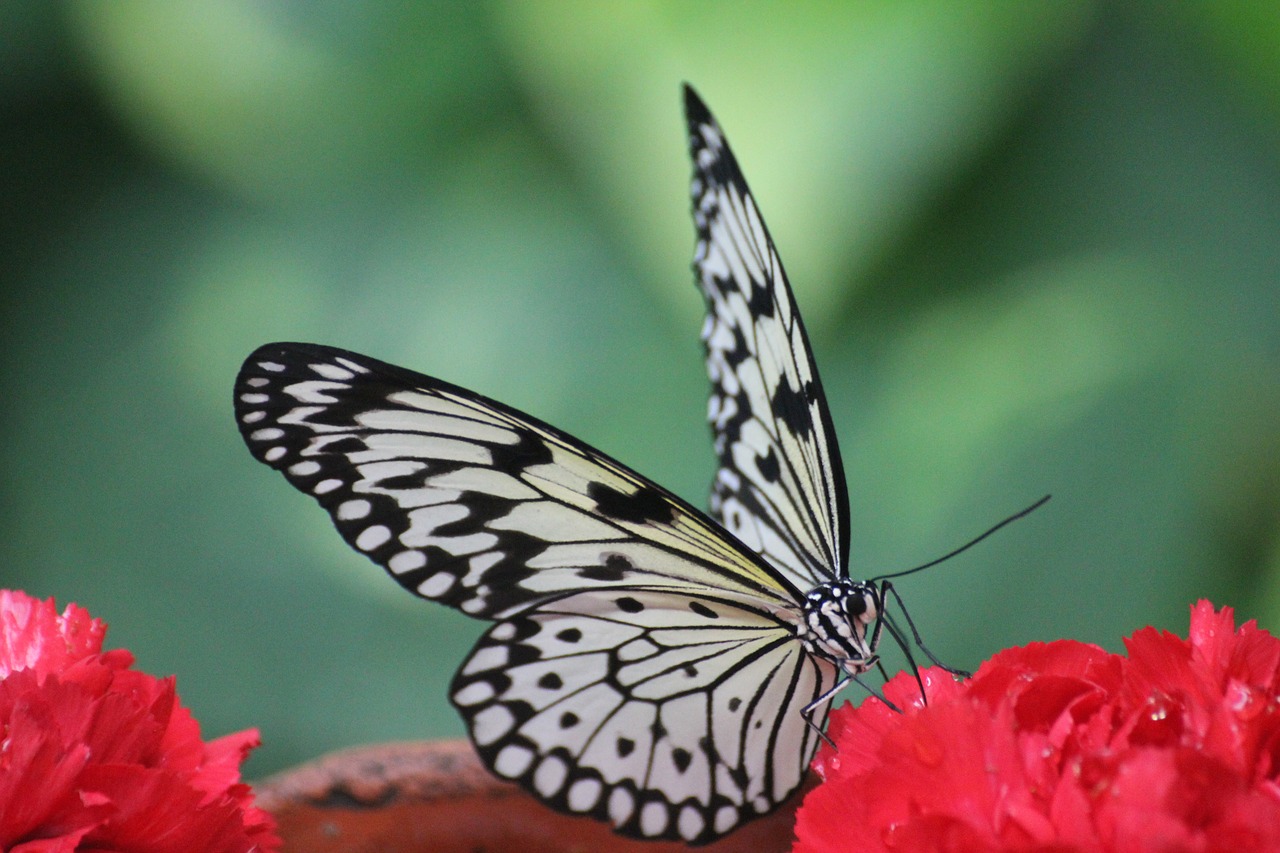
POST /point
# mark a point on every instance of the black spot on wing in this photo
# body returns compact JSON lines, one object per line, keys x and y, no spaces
{"x":614,"y":568}
{"x":642,"y":506}
{"x":346,"y":444}
{"x":625,"y":746}
{"x":629,"y":605}
{"x":703,"y":610}
{"x":768,"y":465}
{"x":550,"y":681}
{"x":530,"y":450}
{"x":761,"y":302}
{"x":792,"y":409}
{"x":521,"y":653}
{"x":569,"y":635}
{"x":682,"y":758}
{"x":740,"y":352}
{"x":407,"y":482}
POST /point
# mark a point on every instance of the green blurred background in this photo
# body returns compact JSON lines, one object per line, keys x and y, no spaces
{"x":1037,"y":247}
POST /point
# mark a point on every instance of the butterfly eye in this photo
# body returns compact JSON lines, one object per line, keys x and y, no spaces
{"x":861,"y":604}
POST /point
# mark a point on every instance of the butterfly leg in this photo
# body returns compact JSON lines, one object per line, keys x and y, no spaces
{"x":808,"y":711}
{"x":886,"y":588}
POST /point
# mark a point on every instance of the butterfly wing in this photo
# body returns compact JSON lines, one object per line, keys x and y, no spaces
{"x":644,"y":668}
{"x":670,"y":714}
{"x":780,"y":487}
{"x":468,"y":502}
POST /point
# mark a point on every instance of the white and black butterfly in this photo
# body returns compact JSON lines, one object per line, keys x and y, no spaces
{"x":649,"y":665}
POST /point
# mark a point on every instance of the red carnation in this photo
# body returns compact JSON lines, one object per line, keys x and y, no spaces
{"x":96,"y":756}
{"x":1065,"y":747}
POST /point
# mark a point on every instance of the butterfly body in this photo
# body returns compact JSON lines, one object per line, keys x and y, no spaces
{"x":649,"y":664}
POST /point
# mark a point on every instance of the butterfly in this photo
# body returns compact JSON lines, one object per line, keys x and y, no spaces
{"x":649,"y":665}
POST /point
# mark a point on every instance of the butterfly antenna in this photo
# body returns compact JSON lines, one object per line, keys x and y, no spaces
{"x":965,"y":547}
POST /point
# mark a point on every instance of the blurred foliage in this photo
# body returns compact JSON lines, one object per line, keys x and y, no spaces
{"x":1037,"y":247}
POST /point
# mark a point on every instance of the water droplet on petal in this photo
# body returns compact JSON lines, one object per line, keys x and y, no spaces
{"x":1243,"y":700}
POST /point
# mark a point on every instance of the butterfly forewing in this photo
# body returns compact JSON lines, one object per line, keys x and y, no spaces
{"x":468,"y":502}
{"x":671,"y":715}
{"x":779,"y":487}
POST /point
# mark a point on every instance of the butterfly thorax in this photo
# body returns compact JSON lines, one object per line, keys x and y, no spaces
{"x":837,"y":615}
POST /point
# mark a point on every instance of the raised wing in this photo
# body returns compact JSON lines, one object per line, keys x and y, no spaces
{"x":468,"y":502}
{"x":670,"y":714}
{"x":780,"y":486}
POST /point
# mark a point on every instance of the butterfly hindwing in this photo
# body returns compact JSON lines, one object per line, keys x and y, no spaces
{"x":466,"y":501}
{"x":671,"y":715}
{"x":779,"y":487}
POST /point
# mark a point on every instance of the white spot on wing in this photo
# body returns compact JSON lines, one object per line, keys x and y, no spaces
{"x":475,"y":693}
{"x":512,"y":761}
{"x":352,"y":510}
{"x":549,"y":778}
{"x":353,"y":366}
{"x":584,"y":794}
{"x":653,"y":818}
{"x":324,"y":486}
{"x":332,"y":371}
{"x":406,"y":561}
{"x":373,"y":537}
{"x":690,"y":823}
{"x":490,"y":657}
{"x":436,"y":585}
{"x":621,"y":806}
{"x":314,"y":391}
{"x":491,"y":724}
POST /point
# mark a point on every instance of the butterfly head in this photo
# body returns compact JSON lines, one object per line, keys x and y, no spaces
{"x":838,"y":616}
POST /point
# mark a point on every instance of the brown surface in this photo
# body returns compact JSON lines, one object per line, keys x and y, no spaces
{"x":436,"y":796}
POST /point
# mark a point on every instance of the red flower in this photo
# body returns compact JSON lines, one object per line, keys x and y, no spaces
{"x":1065,"y":747}
{"x":96,"y":756}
